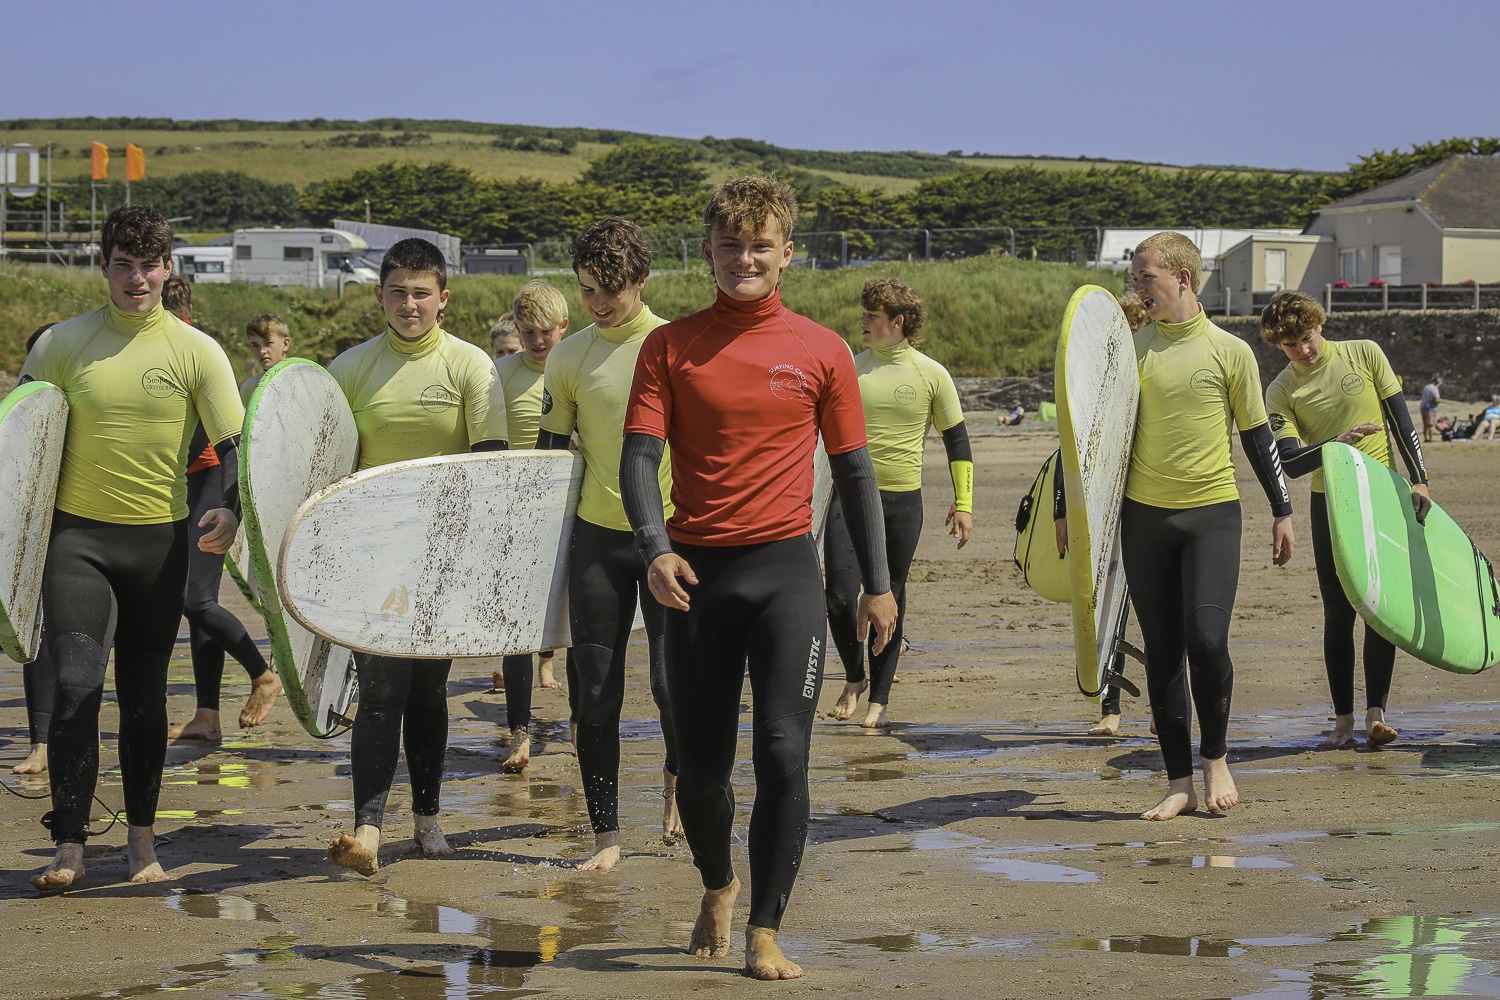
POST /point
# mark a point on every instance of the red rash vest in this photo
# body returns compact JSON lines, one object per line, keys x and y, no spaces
{"x":739,"y":392}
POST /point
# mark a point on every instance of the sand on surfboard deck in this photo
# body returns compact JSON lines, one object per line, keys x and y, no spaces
{"x":1035,"y":553}
{"x":33,"y":425}
{"x":1424,"y":587}
{"x":299,"y":436}
{"x":1098,"y":390}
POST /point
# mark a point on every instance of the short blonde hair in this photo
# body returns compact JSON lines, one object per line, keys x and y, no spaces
{"x":1289,"y":317}
{"x":1135,"y":311}
{"x":539,"y":306}
{"x":895,"y":298}
{"x":1176,"y":253}
{"x":267,"y":325}
{"x":746,"y":204}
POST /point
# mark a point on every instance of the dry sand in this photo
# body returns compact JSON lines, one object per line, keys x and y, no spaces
{"x":981,"y":847}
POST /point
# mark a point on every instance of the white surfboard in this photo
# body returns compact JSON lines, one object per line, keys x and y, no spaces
{"x":458,"y":556}
{"x":822,"y":493}
{"x":33,"y":423}
{"x":299,"y":437}
{"x":1098,"y":390}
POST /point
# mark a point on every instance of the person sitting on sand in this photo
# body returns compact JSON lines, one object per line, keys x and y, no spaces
{"x":1489,"y":420}
{"x":1013,"y":416}
{"x":1339,"y":391}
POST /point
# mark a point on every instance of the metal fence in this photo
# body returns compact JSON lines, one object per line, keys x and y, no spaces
{"x":552,"y":256}
{"x":1366,"y":298}
{"x":853,"y":247}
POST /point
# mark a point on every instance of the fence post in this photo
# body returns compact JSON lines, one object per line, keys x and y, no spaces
{"x":927,"y":252}
{"x":1012,"y":242}
{"x":1424,"y":296}
{"x":1476,"y":296}
{"x":1328,"y":298}
{"x":1385,"y":298}
{"x":1228,"y":299}
{"x":844,"y":251}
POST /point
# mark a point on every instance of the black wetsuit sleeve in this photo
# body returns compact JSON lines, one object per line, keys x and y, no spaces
{"x":489,"y":446}
{"x":548,"y":441}
{"x":1405,"y":436}
{"x":859,"y":496}
{"x":1265,"y":459}
{"x":1297,"y":459}
{"x":956,"y":443}
{"x":640,"y":489}
{"x":1059,"y":492}
{"x":228,"y":451}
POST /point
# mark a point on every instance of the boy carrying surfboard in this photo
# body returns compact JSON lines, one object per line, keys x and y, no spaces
{"x":1339,"y":391}
{"x":416,"y":391}
{"x":740,"y":392}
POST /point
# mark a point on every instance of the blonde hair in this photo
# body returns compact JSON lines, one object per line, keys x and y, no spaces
{"x":895,"y":298}
{"x":266,"y":326}
{"x":746,"y":204}
{"x":1289,"y":317}
{"x":1135,"y":311}
{"x":539,"y":306}
{"x":1177,"y":252}
{"x":505,"y":326}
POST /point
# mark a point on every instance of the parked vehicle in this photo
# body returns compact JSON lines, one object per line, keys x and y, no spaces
{"x":209,"y":265}
{"x":311,"y":258}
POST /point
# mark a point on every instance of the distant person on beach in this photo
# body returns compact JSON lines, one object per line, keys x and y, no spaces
{"x":1489,"y":420}
{"x":1431,"y":397}
{"x":1013,"y":416}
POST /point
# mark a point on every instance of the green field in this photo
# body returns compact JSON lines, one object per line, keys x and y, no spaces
{"x":986,"y":316}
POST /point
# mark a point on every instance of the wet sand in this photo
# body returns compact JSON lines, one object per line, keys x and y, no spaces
{"x":980,"y":847}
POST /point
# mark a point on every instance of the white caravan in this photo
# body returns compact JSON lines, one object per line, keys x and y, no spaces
{"x":203,"y":265}
{"x":311,"y":258}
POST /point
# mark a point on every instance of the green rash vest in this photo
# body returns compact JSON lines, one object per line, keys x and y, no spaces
{"x":903,"y":390}
{"x":1341,"y":390}
{"x":247,"y":387}
{"x":435,"y":395}
{"x":520,"y":380}
{"x":137,"y":387}
{"x":586,"y":388}
{"x":1197,"y":381}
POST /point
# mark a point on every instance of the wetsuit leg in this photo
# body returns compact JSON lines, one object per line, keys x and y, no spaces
{"x":656,"y":643}
{"x":425,"y":731}
{"x":841,"y":593}
{"x":517,"y":670}
{"x":211,"y":628}
{"x":375,"y":745}
{"x":39,"y":682}
{"x":1339,"y":619}
{"x":92,"y":567}
{"x":754,"y":605}
{"x":1210,"y":578}
{"x":903,"y":529}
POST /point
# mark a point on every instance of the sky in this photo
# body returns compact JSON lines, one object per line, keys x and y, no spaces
{"x":1311,"y":84}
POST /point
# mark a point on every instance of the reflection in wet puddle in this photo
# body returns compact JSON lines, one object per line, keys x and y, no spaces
{"x":217,"y":906}
{"x":1213,"y":861}
{"x":1034,"y":871}
{"x":915,"y":941}
{"x":1158,"y":944}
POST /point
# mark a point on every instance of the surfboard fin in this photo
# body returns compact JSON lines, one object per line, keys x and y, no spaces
{"x":1119,"y":680}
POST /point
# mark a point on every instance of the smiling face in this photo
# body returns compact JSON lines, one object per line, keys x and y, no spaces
{"x":880,"y":330}
{"x":608,"y":309}
{"x":1306,"y":351}
{"x":411,"y":301}
{"x":1167,"y":295}
{"x":748,"y":266}
{"x":539,"y":343}
{"x":135,"y":282}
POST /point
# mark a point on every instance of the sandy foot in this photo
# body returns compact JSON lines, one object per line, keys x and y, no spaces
{"x":35,"y":762}
{"x":140,"y":852}
{"x":764,"y":958}
{"x":360,"y":852}
{"x":606,"y":853}
{"x":520,"y":752}
{"x":875,"y":718}
{"x":1108,"y":725}
{"x":711,"y":931}
{"x":544,"y":675}
{"x":1377,"y":733}
{"x":497,"y":682}
{"x":671,"y":822}
{"x":1180,"y":798}
{"x":849,"y":700}
{"x":204,"y":726}
{"x":1342,"y":734}
{"x":263,"y":694}
{"x":1219,"y":792}
{"x":429,"y":837}
{"x":66,"y":869}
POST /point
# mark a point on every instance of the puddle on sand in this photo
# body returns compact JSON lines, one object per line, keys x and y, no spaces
{"x":1159,"y":944}
{"x":1212,"y":861}
{"x":218,"y":906}
{"x":917,"y":941}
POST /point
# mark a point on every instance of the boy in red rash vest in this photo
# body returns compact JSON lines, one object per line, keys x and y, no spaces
{"x":740,"y":391}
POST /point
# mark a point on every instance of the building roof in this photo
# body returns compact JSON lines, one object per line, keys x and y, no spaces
{"x":1462,"y":192}
{"x":1118,"y":245}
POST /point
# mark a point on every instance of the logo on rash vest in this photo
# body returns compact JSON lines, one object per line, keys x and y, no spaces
{"x":1205,"y":382}
{"x":1351,"y":384}
{"x":1277,"y":421}
{"x":905,"y":395}
{"x":158,"y":383}
{"x":437,"y":398}
{"x":810,"y":682}
{"x":788,"y":382}
{"x":546,"y":402}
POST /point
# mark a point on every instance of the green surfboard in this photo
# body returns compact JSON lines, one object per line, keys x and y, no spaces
{"x":1424,"y":587}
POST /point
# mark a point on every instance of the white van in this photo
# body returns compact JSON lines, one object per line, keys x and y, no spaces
{"x":204,"y":265}
{"x":311,"y":258}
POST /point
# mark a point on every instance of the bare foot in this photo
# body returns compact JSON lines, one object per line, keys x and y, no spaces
{"x":497,"y":682}
{"x":429,"y":838}
{"x":1219,"y":792}
{"x":1180,"y":798}
{"x":849,"y":700}
{"x":606,"y":852}
{"x":204,"y":726}
{"x":1108,"y":725}
{"x":360,"y":852}
{"x":140,"y":852}
{"x":711,"y":931}
{"x":1377,"y":733}
{"x":35,"y":762}
{"x":544,"y":676}
{"x":671,"y":823}
{"x":65,"y":871}
{"x":264,"y":691}
{"x":875,"y":717}
{"x":1342,"y":734}
{"x":764,"y":958}
{"x":520,"y":752}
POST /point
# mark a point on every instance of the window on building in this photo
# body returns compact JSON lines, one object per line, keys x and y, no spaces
{"x":1275,"y":270}
{"x":1353,"y":266}
{"x":1388,"y":260}
{"x":242,"y":252}
{"x":296,"y":253}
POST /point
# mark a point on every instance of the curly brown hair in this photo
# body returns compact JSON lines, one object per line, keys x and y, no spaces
{"x":895,"y":298}
{"x":177,"y":297}
{"x":1289,"y":317}
{"x":746,"y":204}
{"x":138,"y":230}
{"x":614,"y":251}
{"x":1135,"y":310}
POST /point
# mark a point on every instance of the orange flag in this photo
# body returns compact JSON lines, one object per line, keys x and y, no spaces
{"x":135,"y":162}
{"x":100,"y":154}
